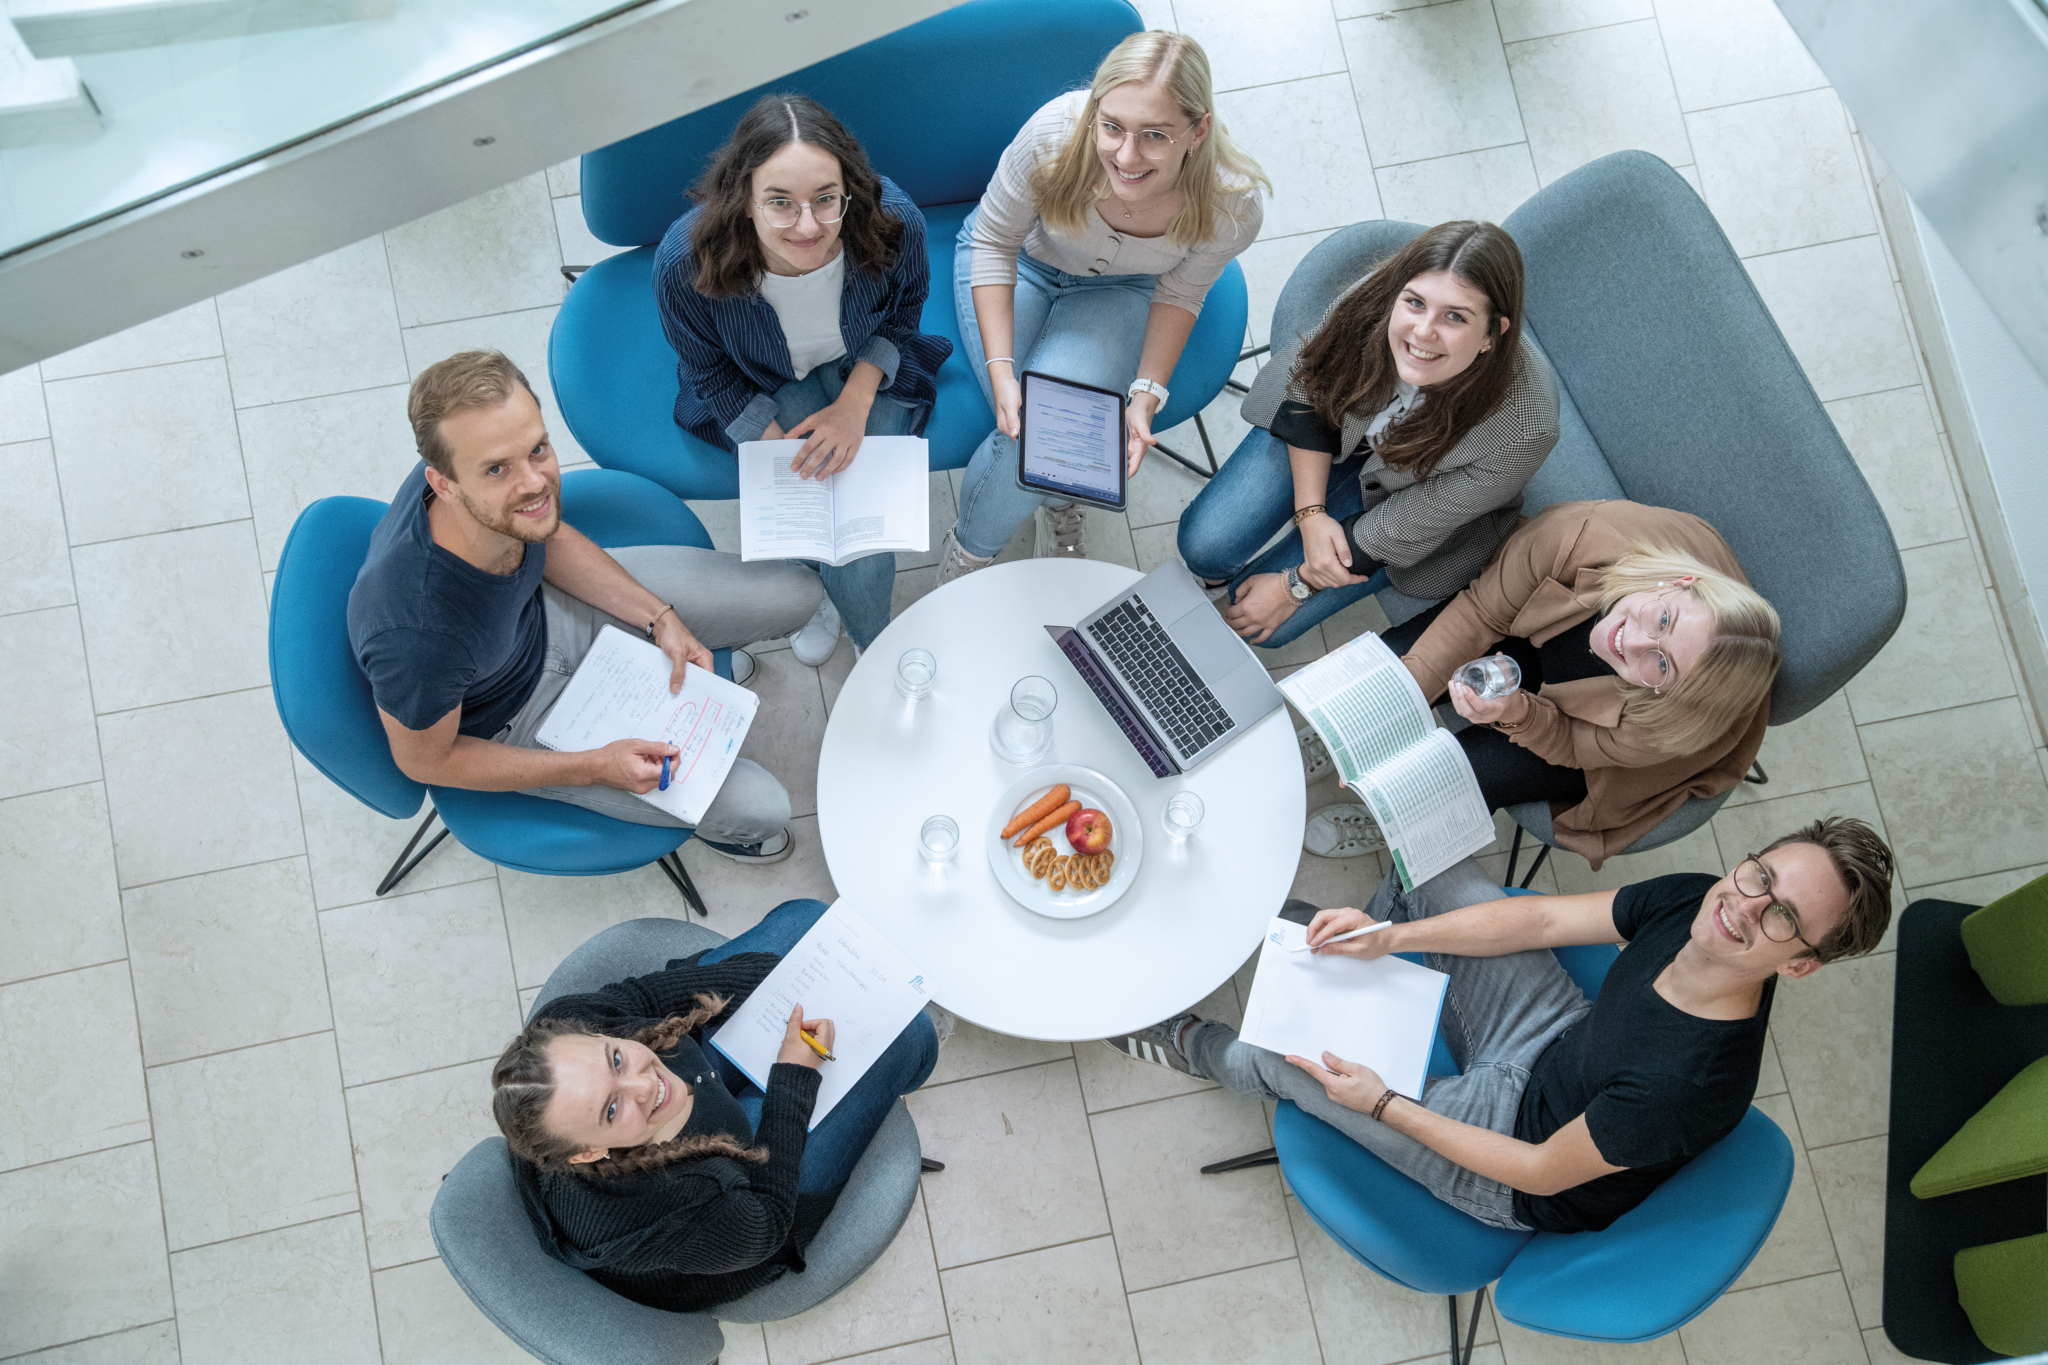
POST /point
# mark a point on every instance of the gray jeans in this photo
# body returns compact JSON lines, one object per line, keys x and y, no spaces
{"x":724,"y":603}
{"x":1499,"y":1014}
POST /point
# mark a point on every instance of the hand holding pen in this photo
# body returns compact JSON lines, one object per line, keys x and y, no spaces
{"x":806,"y":1042}
{"x":1354,"y":930}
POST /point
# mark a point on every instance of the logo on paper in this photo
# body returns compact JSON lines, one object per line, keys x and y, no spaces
{"x":1275,"y":936}
{"x":917,"y":982}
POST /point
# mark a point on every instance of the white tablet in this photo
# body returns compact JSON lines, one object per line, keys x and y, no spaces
{"x":1072,"y":443}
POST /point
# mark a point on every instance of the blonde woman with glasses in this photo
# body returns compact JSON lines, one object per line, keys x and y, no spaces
{"x":1109,"y":217}
{"x":1646,"y":661}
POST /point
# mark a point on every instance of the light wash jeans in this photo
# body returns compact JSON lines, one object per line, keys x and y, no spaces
{"x":1087,"y":328}
{"x":1500,"y":1013}
{"x":860,"y":588}
{"x":724,"y":603}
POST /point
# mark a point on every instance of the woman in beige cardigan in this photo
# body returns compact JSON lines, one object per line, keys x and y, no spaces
{"x":1646,"y":659}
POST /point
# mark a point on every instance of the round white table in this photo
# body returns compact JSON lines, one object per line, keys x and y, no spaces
{"x":1198,"y":907}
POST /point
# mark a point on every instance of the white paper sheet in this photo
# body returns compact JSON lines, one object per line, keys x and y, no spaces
{"x":620,"y":691}
{"x":1382,"y":1013}
{"x":843,"y":970}
{"x":882,"y":501}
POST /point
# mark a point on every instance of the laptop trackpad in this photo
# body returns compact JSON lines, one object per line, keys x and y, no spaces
{"x":1210,"y":645}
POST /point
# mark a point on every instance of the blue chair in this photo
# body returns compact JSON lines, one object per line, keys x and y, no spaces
{"x":561,"y":1315}
{"x":1657,"y":1267}
{"x":324,"y":699}
{"x":934,"y":115}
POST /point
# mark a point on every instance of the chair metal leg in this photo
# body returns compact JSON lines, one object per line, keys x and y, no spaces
{"x":1514,"y":856}
{"x":1462,"y":1357}
{"x":401,"y":867}
{"x":1542,"y":852}
{"x":672,"y":863}
{"x":1757,"y":774}
{"x":1268,"y":1157}
{"x":1202,"y":430}
{"x":925,"y":1163}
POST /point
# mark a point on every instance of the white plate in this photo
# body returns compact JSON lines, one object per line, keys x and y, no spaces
{"x":1092,"y":790}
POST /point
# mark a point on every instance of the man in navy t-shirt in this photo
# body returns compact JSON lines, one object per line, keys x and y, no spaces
{"x":477,"y":601}
{"x":1567,"y":1113}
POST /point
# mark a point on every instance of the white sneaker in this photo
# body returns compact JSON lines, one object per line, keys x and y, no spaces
{"x":1062,"y":532}
{"x":1342,"y":831}
{"x":1316,"y":763}
{"x":955,"y":562}
{"x":742,"y":667}
{"x":820,"y":636}
{"x":944,"y":1021}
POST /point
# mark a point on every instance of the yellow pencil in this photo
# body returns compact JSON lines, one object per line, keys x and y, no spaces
{"x":816,"y":1046}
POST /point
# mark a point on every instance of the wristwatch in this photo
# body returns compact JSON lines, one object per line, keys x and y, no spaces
{"x":1297,"y":588}
{"x":1144,"y":385}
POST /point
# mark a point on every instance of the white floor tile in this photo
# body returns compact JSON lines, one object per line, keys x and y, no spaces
{"x":301,"y":1294}
{"x":1982,"y":890}
{"x":182,"y":416}
{"x":1959,"y":792}
{"x":57,"y":849}
{"x":22,"y":414}
{"x":1835,"y":305}
{"x":1946,"y":651}
{"x":327,"y":326}
{"x":1851,"y":1178}
{"x":1799,"y":1243}
{"x":895,"y":1300}
{"x":1584,"y":95}
{"x":85,"y":1249}
{"x":976,"y":1051}
{"x":1758,"y":1324}
{"x":407,"y":1134}
{"x":1363,"y":1318}
{"x":1260,"y":42}
{"x":46,"y":735}
{"x":1486,"y":185}
{"x":579,"y":245}
{"x":1248,"y":1317}
{"x":1833,"y":1032}
{"x":522,"y":336}
{"x":189,"y":333}
{"x":1893,"y":438}
{"x":491,"y":254}
{"x":738,"y":896}
{"x":251,"y":1140}
{"x":1431,"y":82}
{"x":226,"y":960}
{"x":1815,"y":752}
{"x":1727,"y":51}
{"x":156,"y":1344}
{"x":1112,"y":1080}
{"x":1520,"y":1346}
{"x":351,"y":846}
{"x":1065,"y":1303}
{"x":1521,"y":19}
{"x":35,"y":568}
{"x":547,"y":918}
{"x":1781,"y":173}
{"x":787,"y":746}
{"x":423,"y":1315}
{"x":173,"y":616}
{"x":70,"y":1068}
{"x":355,"y":444}
{"x":1306,"y":135}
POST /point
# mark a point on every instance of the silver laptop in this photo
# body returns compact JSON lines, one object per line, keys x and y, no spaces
{"x":1178,"y":682}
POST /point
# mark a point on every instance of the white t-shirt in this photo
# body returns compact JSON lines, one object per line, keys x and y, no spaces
{"x":808,"y":308}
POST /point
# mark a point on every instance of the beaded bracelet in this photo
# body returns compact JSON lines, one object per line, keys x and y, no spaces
{"x":1305,"y":513}
{"x":1380,"y":1108}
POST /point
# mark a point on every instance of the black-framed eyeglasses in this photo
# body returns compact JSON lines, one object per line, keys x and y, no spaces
{"x":1780,"y":921}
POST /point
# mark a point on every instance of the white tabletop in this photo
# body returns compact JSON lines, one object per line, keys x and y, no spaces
{"x":1197,"y":909}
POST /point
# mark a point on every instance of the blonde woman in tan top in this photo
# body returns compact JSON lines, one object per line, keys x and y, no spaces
{"x":1109,"y":217}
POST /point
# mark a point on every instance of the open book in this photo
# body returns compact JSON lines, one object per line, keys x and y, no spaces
{"x":620,"y":691}
{"x":1413,"y":776}
{"x":882,"y":501}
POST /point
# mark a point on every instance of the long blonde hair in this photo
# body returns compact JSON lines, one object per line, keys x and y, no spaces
{"x":1731,"y":679}
{"x":1069,"y":183}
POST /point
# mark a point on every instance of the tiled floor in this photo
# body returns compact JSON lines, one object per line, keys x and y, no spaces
{"x":230,"y":1080}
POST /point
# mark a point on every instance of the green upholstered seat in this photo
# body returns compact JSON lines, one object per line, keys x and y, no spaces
{"x":2005,"y":1140}
{"x":2008,"y":945}
{"x":2004,"y":1289}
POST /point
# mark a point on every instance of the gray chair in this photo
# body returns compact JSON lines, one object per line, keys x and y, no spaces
{"x":1677,"y":390}
{"x":563,"y":1316}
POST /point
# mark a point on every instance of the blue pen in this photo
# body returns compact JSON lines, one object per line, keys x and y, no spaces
{"x":664,"y":774}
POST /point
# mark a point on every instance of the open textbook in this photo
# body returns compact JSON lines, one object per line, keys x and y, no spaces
{"x":842,"y":970}
{"x":882,"y":501}
{"x":1382,"y":1012}
{"x":620,"y":691}
{"x":1412,"y":775}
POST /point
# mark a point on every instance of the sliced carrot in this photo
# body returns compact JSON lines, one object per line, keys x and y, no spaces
{"x":1038,"y":809}
{"x":1058,"y":817}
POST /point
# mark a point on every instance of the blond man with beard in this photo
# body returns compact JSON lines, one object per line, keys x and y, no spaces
{"x":477,"y":601}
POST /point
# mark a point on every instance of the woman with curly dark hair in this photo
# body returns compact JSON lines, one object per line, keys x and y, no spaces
{"x":647,"y":1161}
{"x":792,"y":294}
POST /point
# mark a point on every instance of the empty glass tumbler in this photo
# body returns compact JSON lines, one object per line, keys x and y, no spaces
{"x":939,"y":839}
{"x":916,"y":671}
{"x":1022,"y":732}
{"x":1494,"y":676}
{"x":1182,"y":814}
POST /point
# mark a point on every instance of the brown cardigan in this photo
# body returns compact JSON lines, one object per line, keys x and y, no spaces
{"x":1545,"y":580}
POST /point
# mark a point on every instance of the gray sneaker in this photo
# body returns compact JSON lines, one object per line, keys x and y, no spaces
{"x":1062,"y":532}
{"x":1344,"y":830}
{"x":955,"y":562}
{"x":773,"y":849}
{"x":1159,"y":1044}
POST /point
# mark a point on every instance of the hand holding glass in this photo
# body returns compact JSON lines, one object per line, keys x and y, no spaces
{"x":1497,"y":675}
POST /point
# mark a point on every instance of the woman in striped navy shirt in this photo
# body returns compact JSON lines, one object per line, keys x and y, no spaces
{"x":791,"y":294}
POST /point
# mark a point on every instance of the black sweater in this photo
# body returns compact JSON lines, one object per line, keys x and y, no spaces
{"x":693,"y":1234}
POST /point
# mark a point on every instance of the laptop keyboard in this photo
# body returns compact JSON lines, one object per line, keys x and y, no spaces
{"x":1180,"y":703}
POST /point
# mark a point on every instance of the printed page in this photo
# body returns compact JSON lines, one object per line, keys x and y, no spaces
{"x":882,"y":501}
{"x":1428,"y":805}
{"x":782,"y":516}
{"x":1382,"y":1013}
{"x":1363,"y":702}
{"x":620,"y":691}
{"x":843,"y":970}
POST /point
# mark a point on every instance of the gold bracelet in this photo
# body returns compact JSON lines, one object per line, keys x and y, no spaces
{"x":1380,"y":1108}
{"x":665,"y":610}
{"x":1305,"y":513}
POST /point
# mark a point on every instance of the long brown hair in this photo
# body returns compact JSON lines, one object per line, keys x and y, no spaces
{"x":1348,"y":365}
{"x":523,"y":1082}
{"x":729,"y":260}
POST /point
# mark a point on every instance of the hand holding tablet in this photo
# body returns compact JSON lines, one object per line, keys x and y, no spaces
{"x":1072,"y":443}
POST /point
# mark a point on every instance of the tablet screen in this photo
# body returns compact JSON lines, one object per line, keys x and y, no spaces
{"x":1073,"y":439}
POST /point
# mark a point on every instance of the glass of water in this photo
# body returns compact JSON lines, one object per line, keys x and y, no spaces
{"x":1494,"y":676}
{"x":939,"y":839}
{"x":916,"y":671}
{"x":1022,"y":732}
{"x":1182,"y":814}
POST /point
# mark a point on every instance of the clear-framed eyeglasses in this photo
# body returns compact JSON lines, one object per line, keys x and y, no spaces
{"x":1153,"y":143}
{"x":1657,"y":671}
{"x":779,"y":212}
{"x":1780,"y":921}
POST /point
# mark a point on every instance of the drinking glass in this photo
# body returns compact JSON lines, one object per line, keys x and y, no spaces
{"x":1182,"y":814}
{"x":1022,"y":732}
{"x":939,"y":839}
{"x":1494,"y":676}
{"x":916,"y":671}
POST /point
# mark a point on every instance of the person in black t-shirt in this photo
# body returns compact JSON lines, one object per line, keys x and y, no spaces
{"x":1566,"y":1114}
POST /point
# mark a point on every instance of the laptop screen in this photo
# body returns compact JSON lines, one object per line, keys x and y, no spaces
{"x":1073,"y":439}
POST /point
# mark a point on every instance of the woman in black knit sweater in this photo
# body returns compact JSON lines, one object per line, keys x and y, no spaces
{"x":649,"y":1162}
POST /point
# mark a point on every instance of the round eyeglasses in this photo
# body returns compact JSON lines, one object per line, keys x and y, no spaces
{"x":825,"y":210}
{"x":1780,"y":921}
{"x":1153,"y":143}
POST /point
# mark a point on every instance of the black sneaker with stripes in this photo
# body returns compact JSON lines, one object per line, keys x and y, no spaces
{"x":1159,"y":1044}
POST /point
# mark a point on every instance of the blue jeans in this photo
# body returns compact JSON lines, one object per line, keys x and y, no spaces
{"x":1087,"y":328}
{"x":836,"y":1144}
{"x":1250,"y":498}
{"x":861,"y":588}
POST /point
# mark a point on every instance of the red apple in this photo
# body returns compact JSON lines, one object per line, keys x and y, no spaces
{"x":1088,"y":831}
